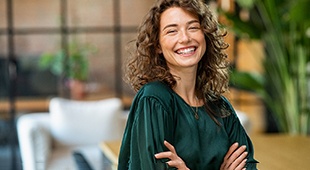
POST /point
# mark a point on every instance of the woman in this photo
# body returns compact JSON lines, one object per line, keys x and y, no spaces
{"x":179,"y":118}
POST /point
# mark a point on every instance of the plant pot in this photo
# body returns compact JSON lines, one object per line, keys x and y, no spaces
{"x":77,"y":89}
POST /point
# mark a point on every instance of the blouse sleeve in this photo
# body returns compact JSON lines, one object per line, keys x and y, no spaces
{"x":237,"y":133}
{"x":151,"y":125}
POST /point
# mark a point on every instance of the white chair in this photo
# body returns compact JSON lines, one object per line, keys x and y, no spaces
{"x":48,"y":140}
{"x":244,"y":120}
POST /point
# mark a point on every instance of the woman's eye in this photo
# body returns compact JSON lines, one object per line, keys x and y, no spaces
{"x":171,"y":31}
{"x":194,"y":28}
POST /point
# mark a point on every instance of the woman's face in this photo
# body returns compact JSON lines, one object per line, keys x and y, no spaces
{"x":181,"y":39}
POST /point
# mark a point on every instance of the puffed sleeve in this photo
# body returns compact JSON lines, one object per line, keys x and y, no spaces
{"x":150,"y":124}
{"x":237,"y":133}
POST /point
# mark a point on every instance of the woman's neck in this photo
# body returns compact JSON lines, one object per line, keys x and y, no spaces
{"x":185,"y":87}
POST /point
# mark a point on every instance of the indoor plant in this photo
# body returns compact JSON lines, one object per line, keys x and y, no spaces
{"x":73,"y":68}
{"x":283,"y":27}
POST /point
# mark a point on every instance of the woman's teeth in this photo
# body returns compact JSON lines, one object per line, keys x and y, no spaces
{"x":186,"y":51}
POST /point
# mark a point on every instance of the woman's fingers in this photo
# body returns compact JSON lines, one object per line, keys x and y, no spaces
{"x":175,"y":160}
{"x":169,"y":154}
{"x":240,"y":162}
{"x":235,"y":158}
{"x":169,"y":146}
{"x":237,"y":154}
{"x":161,"y":155}
{"x":241,"y":165}
{"x":231,"y":150}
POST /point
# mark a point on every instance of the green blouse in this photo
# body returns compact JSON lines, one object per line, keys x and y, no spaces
{"x":158,"y":113}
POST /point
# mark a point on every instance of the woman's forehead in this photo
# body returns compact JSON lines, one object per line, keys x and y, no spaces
{"x":176,"y":13}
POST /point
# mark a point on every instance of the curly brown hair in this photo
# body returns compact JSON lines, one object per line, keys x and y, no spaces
{"x":145,"y":63}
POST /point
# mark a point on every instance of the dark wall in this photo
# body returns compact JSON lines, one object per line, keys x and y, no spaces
{"x":31,"y":81}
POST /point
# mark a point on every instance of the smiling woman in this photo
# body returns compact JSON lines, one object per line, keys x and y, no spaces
{"x":181,"y":41}
{"x":179,"y":118}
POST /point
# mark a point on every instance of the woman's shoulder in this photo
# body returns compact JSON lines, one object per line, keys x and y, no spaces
{"x":227,"y":110}
{"x":226,"y":103}
{"x":158,"y":91}
{"x":223,"y":106}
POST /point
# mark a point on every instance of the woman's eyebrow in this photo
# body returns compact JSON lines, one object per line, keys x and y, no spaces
{"x":170,"y":25}
{"x":175,"y":25}
{"x":192,"y":21}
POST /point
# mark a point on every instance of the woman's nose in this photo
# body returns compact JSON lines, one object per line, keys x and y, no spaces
{"x":184,"y":37}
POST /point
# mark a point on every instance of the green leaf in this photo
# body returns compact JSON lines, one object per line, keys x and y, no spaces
{"x":74,"y":66}
{"x":300,"y":11}
{"x":248,"y":81}
{"x":244,"y":28}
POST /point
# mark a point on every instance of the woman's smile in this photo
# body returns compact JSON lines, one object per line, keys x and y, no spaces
{"x":186,"y":51}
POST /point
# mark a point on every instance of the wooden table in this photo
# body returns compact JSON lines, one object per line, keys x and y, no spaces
{"x":111,"y":149}
{"x":273,"y":151}
{"x":26,"y":105}
{"x":282,"y":152}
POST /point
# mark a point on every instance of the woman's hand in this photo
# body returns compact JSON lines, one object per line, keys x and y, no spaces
{"x":175,"y":160}
{"x":235,"y":158}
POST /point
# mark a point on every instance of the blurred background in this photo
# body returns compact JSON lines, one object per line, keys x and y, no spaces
{"x":75,"y":49}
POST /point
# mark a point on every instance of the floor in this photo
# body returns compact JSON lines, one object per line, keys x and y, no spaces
{"x":6,"y":158}
{"x":8,"y":161}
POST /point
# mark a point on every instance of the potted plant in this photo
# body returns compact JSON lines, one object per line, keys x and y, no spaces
{"x":74,"y":67}
{"x":283,"y":26}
